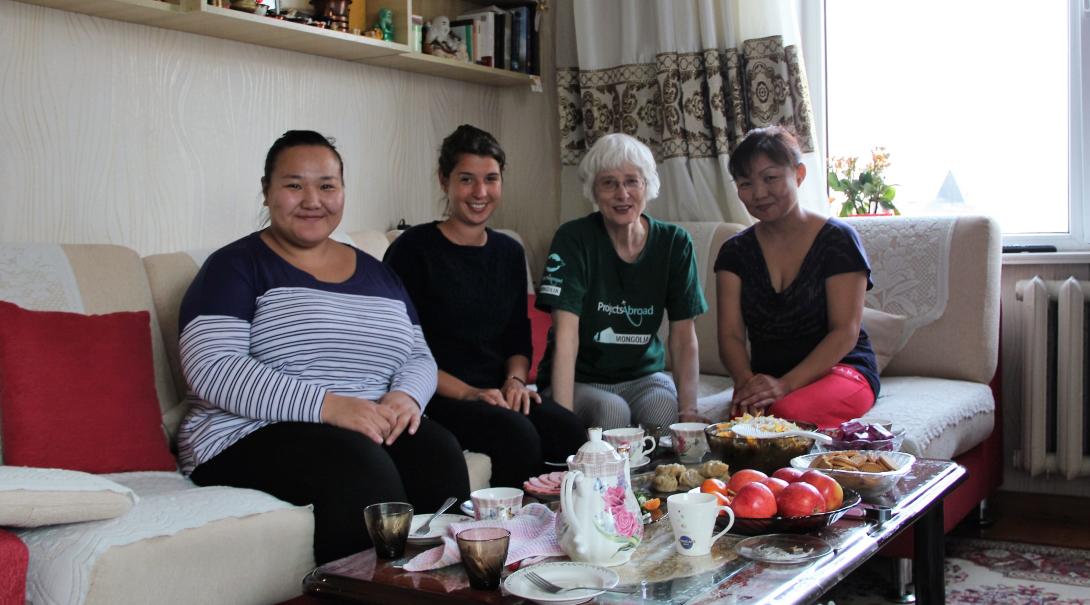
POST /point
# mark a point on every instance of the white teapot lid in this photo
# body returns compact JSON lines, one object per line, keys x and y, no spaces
{"x":596,"y":456}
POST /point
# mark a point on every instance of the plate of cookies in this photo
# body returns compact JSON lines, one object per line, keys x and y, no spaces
{"x":869,"y":472}
{"x":671,"y":478}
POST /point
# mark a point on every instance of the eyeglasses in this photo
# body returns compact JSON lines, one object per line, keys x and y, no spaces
{"x":611,"y":185}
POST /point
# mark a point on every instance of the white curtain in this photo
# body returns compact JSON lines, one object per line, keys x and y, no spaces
{"x":688,"y":77}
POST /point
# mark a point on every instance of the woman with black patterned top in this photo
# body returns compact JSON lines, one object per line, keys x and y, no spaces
{"x":793,"y":283}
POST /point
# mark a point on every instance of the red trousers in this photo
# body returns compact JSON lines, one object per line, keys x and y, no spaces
{"x":836,"y":397}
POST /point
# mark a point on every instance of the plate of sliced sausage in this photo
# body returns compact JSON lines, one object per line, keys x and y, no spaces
{"x":544,"y":486}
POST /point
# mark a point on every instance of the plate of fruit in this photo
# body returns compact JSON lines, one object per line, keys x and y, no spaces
{"x":791,"y":500}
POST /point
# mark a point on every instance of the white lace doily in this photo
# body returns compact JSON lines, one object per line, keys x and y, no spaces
{"x":910,"y":266}
{"x":38,"y":276}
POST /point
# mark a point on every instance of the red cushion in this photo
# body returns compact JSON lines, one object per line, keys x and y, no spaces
{"x":78,"y":392}
{"x":540,"y":322}
{"x":13,"y":562}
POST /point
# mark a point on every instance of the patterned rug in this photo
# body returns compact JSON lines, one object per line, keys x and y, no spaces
{"x":987,"y":572}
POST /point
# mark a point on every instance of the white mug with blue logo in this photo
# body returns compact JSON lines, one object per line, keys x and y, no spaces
{"x":692,"y":516}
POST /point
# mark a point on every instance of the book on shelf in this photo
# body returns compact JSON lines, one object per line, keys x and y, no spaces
{"x":520,"y":17}
{"x":463,"y":28}
{"x":524,"y":49}
{"x":484,"y":26}
{"x":493,"y":27}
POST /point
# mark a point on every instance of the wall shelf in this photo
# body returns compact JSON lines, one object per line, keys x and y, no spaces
{"x":197,"y":17}
{"x":449,"y":68}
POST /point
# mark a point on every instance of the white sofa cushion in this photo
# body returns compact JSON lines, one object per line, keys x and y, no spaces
{"x":32,"y":497}
{"x":942,"y":418}
{"x":887,"y":334}
{"x":178,"y":544}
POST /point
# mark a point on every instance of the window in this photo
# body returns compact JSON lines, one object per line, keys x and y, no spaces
{"x":979,"y":104}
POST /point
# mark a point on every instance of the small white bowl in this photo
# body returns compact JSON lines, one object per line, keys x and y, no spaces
{"x":869,"y":485}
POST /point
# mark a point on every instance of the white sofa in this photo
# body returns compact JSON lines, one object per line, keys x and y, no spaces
{"x":184,"y":544}
{"x":178,"y":543}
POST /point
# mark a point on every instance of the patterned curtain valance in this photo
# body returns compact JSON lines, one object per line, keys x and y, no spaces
{"x":693,"y":105}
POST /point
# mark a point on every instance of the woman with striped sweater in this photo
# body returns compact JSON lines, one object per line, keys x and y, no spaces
{"x":306,"y":365}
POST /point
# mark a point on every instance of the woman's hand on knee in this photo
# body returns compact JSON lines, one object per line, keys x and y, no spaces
{"x":489,"y":396}
{"x":403,"y":413}
{"x":355,"y":414}
{"x":518,"y":397}
{"x":758,"y":393}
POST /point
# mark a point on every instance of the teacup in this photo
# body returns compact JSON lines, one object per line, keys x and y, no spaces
{"x":692,"y":516}
{"x":690,"y":444}
{"x":639,"y":446}
{"x":496,"y":502}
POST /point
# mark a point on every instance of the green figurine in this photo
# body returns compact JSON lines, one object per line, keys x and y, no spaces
{"x":384,"y":25}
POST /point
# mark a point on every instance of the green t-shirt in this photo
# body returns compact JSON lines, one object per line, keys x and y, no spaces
{"x":620,"y":305}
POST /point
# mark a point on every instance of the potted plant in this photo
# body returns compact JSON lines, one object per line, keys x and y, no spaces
{"x":864,"y":192}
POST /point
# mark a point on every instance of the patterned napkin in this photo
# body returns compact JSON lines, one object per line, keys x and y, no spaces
{"x":533,"y":535}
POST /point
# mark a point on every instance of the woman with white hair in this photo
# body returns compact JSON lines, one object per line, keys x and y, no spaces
{"x":609,"y":280}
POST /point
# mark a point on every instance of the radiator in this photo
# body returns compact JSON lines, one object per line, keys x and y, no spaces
{"x":1055,"y":318}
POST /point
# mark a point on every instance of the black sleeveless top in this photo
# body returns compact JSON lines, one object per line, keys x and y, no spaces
{"x":783,"y":327}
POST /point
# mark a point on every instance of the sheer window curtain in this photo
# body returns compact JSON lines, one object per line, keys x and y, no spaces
{"x":689,"y":78}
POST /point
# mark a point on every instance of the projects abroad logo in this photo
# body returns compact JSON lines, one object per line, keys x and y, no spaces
{"x":609,"y":337}
{"x":634,"y":315}
{"x":551,"y":284}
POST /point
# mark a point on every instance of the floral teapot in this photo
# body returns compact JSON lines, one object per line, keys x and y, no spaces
{"x":600,"y":521}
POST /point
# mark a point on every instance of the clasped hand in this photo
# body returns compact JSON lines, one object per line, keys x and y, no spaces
{"x":759,"y":392}
{"x":382,"y":421}
{"x":513,"y":395}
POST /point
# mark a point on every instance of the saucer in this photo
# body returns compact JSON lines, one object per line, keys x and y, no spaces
{"x":783,"y":549}
{"x":642,"y":462}
{"x":435,"y":530}
{"x":666,"y":441}
{"x":564,"y":574}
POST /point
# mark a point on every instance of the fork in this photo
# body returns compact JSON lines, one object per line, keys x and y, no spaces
{"x":423,"y":529}
{"x":551,"y":588}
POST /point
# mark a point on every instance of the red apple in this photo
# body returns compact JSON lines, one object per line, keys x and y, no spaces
{"x":788,"y":474}
{"x":754,"y":501}
{"x":829,"y":488}
{"x":800,"y":499}
{"x":774,"y":484}
{"x":744,"y":477}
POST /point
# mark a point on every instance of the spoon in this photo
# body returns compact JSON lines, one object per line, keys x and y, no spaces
{"x":423,"y":529}
{"x":748,"y":430}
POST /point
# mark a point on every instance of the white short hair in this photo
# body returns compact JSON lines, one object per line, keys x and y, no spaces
{"x":611,"y":152}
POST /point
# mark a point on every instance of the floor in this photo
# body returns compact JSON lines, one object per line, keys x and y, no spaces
{"x":1035,"y":519}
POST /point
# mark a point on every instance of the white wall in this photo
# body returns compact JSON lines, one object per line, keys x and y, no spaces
{"x":118,"y":133}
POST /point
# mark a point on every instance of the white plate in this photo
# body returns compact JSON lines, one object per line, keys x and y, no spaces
{"x":642,"y":462}
{"x":435,"y":530}
{"x":564,"y":574}
{"x":667,"y":442}
{"x":783,"y":549}
{"x":467,"y":508}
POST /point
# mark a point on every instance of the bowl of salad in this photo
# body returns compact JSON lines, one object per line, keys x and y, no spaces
{"x":863,"y":434}
{"x":766,"y":454}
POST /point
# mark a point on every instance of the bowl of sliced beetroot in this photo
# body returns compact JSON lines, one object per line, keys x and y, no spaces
{"x":861,"y":434}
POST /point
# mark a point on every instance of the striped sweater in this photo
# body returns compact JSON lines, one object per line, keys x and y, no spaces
{"x":263,"y":342}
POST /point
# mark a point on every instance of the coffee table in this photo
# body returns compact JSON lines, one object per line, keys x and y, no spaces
{"x":663,"y":577}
